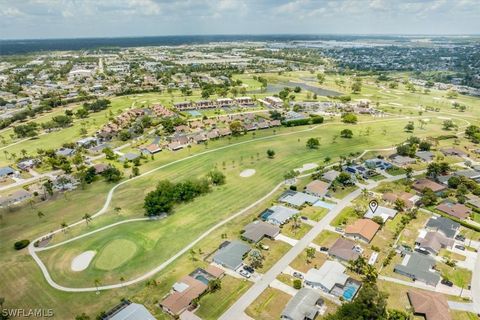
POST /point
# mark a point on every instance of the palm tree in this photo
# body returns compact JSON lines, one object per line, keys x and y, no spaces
{"x":64,"y":226}
{"x":24,"y":153}
{"x":364,"y":192}
{"x":192,"y":255}
{"x":370,"y":274}
{"x":40,"y":214}
{"x":87,"y":218}
{"x":295,"y":219}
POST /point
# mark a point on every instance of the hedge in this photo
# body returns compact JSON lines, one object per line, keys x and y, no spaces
{"x":21,"y":244}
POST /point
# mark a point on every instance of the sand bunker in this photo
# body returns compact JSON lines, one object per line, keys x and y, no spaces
{"x":247,"y":173}
{"x":81,"y":262}
{"x":306,"y":167}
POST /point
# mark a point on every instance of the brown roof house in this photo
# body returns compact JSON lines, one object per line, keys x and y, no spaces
{"x":456,"y":210}
{"x":362,"y":229}
{"x":408,"y":198}
{"x":433,"y":242}
{"x":344,"y":250}
{"x":188,"y":289}
{"x":317,"y":188}
{"x":431,"y":305}
{"x":422,"y":184}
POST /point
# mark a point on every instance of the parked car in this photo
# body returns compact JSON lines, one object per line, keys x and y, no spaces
{"x":447,"y":282}
{"x":459,"y":247}
{"x":460,"y":237}
{"x":249,"y":269}
{"x":264,"y":246}
{"x":245,"y":273}
{"x":338,"y":229}
{"x":298,"y":275}
{"x":304,"y":218}
{"x":323,"y":249}
{"x":422,"y":251}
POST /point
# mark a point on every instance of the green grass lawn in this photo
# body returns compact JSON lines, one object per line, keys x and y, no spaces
{"x":276,"y":251}
{"x":269,"y":305}
{"x":346,"y":217}
{"x":214,"y":304}
{"x":342,"y":192}
{"x":295,"y":232}
{"x":159,"y":240}
{"x":395,"y":171}
{"x":314,"y":213}
{"x":459,"y":276}
{"x":301,"y":263}
{"x":326,"y":238}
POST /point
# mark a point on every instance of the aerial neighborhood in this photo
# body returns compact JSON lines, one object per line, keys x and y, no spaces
{"x":247,"y":179}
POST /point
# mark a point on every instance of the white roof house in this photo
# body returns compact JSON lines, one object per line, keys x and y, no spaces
{"x":297,"y":199}
{"x":329,"y":274}
{"x":280,"y":214}
{"x":383,"y":212}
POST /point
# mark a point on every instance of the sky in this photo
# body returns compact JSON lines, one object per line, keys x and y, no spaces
{"x":33,"y":19}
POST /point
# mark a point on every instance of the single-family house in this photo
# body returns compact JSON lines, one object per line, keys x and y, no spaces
{"x":382,"y":212}
{"x":6,"y":172}
{"x":100,"y":167}
{"x":344,"y":250}
{"x":151,"y":148}
{"x":377,"y":163}
{"x":317,"y":188}
{"x":128,"y":157}
{"x":278,"y":215}
{"x":327,"y":277}
{"x":453,"y":152}
{"x":231,"y":254}
{"x":433,"y":242}
{"x":256,"y":230}
{"x":426,"y":156}
{"x":403,"y":161}
{"x":305,"y":305}
{"x":330,"y":175}
{"x":430,"y":305}
{"x":443,"y":225}
{"x":297,"y":199}
{"x":183,"y":293}
{"x":362,"y":229}
{"x":456,"y":210}
{"x":15,"y":198}
{"x":473,"y":200}
{"x":409,"y":199}
{"x":127,"y":310}
{"x":422,"y":184}
{"x":418,"y":266}
{"x":66,"y":152}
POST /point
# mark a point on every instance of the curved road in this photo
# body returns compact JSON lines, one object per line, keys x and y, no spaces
{"x":32,"y":249}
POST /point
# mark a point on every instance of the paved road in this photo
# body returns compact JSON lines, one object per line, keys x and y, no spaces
{"x":237,"y":309}
{"x":475,"y":288}
{"x":32,"y":249}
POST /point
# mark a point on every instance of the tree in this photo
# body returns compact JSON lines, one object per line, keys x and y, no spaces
{"x":256,"y":258}
{"x":349,"y":118}
{"x":112,"y":174}
{"x":398,"y":315}
{"x":40,"y":214}
{"x":448,"y":125}
{"x":378,"y":220}
{"x":399,"y":205}
{"x":321,"y":78}
{"x":357,"y":85}
{"x":424,"y":146}
{"x":109,"y":154}
{"x":87,"y":218}
{"x":64,"y":226}
{"x":410,"y":126}
{"x":214,"y":285}
{"x":48,"y":187}
{"x":428,"y":197}
{"x":408,"y":172}
{"x":216,"y":177}
{"x":237,"y":128}
{"x":313,"y":143}
{"x":358,"y":265}
{"x":346,"y":133}
{"x":454,"y":182}
{"x":370,"y":304}
{"x":270,"y":154}
{"x":310,"y":252}
{"x":344,"y":179}
{"x":135,"y":171}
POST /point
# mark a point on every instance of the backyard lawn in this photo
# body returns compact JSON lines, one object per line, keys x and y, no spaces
{"x":269,"y":305}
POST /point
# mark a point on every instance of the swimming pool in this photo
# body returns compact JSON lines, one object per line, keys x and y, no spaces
{"x":265,"y":214}
{"x":350,"y":291}
{"x":194,"y":113}
{"x":202,"y":278}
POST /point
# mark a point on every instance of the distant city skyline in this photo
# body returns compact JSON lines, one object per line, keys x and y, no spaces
{"x":39,"y":19}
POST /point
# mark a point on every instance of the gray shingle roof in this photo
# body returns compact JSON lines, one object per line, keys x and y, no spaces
{"x":231,"y":255}
{"x":302,"y":305}
{"x":444,"y":225}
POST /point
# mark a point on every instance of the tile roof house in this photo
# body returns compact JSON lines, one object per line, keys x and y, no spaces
{"x":382,"y":212}
{"x":473,"y":200}
{"x":443,"y":225}
{"x":256,"y":230}
{"x":278,"y":215}
{"x":409,"y":199}
{"x":431,"y":305}
{"x":184,"y":292}
{"x":456,"y":210}
{"x":363,"y":229}
{"x":418,"y":266}
{"x":329,"y":275}
{"x":151,"y":148}
{"x":421,"y":184}
{"x":230,"y":254}
{"x":303,"y":306}
{"x":344,"y":250}
{"x":317,"y":188}
{"x":433,"y":242}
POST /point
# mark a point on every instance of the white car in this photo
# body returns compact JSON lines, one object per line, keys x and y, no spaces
{"x":244,"y":273}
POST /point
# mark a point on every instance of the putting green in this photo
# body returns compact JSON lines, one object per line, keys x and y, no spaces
{"x":115,"y":253}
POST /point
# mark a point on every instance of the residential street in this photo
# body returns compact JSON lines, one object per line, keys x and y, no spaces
{"x":236,"y":311}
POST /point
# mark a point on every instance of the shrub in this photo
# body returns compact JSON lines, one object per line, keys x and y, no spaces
{"x":21,"y":244}
{"x":297,"y":284}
